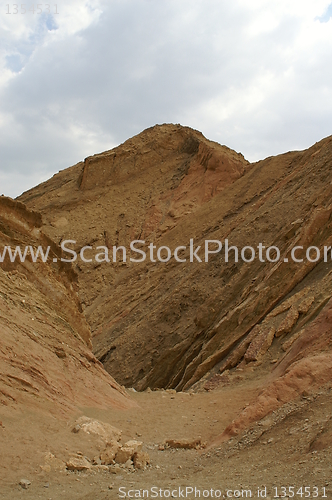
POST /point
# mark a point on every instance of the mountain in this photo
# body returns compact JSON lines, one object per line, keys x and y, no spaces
{"x":174,"y":324}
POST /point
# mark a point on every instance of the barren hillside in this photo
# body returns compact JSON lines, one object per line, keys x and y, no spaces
{"x":170,"y":324}
{"x":46,"y":364}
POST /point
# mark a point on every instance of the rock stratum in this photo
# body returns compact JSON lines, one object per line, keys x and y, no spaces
{"x":45,"y":357}
{"x":250,"y":341}
{"x":171,"y":325}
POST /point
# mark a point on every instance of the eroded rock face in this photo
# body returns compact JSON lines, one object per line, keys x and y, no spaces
{"x":306,"y":367}
{"x":168,"y":325}
{"x":260,"y":344}
{"x":45,"y":351}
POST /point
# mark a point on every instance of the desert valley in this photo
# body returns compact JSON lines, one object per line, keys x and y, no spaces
{"x":120,"y":376}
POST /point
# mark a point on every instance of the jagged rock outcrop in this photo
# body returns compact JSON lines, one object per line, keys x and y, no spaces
{"x":306,"y":367}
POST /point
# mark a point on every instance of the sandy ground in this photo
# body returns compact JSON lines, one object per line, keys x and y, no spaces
{"x":289,"y":448}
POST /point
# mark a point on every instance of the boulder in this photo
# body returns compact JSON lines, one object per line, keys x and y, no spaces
{"x":78,"y":463}
{"x":127,"y":451}
{"x":187,"y":444}
{"x":53,"y":463}
{"x":105,"y":431}
{"x":108,"y":455}
{"x":25,"y":483}
{"x":141,"y":459}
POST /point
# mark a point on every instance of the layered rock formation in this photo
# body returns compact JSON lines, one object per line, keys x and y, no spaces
{"x":179,"y":324}
{"x":45,"y":356}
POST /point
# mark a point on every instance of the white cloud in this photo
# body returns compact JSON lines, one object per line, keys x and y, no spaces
{"x":253,"y":75}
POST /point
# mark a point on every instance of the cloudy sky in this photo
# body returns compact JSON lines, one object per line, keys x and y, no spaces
{"x":254,"y":75}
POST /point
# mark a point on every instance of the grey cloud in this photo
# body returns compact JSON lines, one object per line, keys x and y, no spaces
{"x":153,"y":62}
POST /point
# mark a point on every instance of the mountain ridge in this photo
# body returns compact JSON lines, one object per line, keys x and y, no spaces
{"x":165,"y":325}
